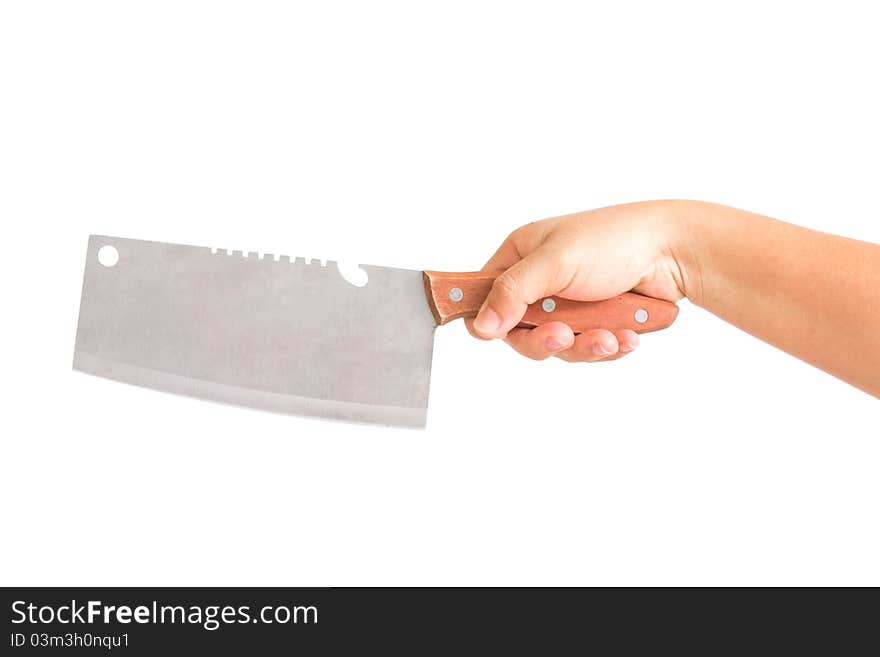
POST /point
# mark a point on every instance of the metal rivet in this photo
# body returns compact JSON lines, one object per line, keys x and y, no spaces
{"x":549,"y":305}
{"x":456,"y":294}
{"x":641,"y":316}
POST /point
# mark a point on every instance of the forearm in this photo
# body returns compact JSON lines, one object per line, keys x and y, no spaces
{"x":811,"y":294}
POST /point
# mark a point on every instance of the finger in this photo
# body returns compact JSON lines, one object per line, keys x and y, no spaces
{"x":541,"y":342}
{"x":506,"y":255}
{"x":469,"y":323}
{"x":591,"y":346}
{"x":627,"y":340}
{"x":521,"y":242}
{"x":538,"y":274}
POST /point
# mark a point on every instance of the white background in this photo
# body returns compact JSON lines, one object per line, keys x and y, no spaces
{"x":418,"y":135}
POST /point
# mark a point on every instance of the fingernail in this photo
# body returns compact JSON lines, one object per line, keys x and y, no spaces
{"x":555,"y":344}
{"x":625,"y":347}
{"x":487,"y":322}
{"x":600,"y":349}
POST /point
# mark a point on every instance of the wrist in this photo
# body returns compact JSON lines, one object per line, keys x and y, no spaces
{"x":683,"y":222}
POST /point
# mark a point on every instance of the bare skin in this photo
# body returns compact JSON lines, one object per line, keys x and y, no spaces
{"x":811,"y":294}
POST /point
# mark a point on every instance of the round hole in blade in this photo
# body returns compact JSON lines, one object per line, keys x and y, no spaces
{"x":108,"y":255}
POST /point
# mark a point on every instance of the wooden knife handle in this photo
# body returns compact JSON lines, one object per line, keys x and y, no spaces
{"x":461,"y":294}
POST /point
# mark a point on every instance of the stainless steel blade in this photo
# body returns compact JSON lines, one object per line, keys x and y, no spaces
{"x":278,"y":335}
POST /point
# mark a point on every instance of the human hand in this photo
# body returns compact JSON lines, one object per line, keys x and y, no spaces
{"x":586,"y":256}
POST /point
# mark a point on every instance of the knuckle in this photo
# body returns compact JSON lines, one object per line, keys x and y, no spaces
{"x":506,"y":285}
{"x":528,"y":236}
{"x":515,"y":234}
{"x":525,"y":229}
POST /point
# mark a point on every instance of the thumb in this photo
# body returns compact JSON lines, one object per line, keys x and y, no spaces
{"x":537,"y":275}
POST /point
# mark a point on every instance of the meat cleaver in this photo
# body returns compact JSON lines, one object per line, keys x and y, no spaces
{"x":286,"y":335}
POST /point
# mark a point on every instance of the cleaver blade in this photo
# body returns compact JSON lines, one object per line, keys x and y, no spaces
{"x":289,"y":336}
